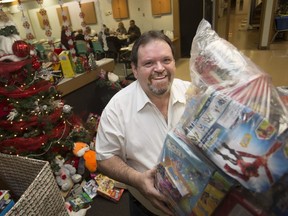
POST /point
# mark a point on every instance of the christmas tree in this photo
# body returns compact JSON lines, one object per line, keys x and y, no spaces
{"x":34,"y":120}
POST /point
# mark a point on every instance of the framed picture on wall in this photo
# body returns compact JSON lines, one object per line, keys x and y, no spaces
{"x":40,"y":20}
{"x":160,"y":7}
{"x":59,"y":13}
{"x":120,"y":9}
{"x":90,"y":14}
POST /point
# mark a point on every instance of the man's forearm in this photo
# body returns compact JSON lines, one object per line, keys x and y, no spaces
{"x":117,"y":169}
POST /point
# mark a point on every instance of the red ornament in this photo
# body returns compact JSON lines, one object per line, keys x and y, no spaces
{"x":21,"y":48}
{"x":36,"y":64}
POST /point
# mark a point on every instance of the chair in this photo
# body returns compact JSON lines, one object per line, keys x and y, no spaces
{"x":281,"y":25}
{"x":124,"y":57}
{"x":81,"y":47}
{"x":41,"y":52}
{"x":114,"y":47}
{"x":98,"y":49}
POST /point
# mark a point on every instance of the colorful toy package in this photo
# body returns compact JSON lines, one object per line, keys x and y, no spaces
{"x":188,"y":180}
{"x":234,"y":114}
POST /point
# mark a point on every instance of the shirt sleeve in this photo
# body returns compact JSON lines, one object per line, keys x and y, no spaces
{"x":110,"y":135}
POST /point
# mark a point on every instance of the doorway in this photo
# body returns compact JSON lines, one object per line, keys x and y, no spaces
{"x":190,"y":14}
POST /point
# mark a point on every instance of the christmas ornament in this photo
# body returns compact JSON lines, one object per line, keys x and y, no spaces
{"x":8,"y":35}
{"x":67,"y":108}
{"x":21,"y":48}
{"x":36,"y":64}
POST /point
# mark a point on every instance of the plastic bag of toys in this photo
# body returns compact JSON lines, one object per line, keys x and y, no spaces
{"x":191,"y":183}
{"x":234,"y":114}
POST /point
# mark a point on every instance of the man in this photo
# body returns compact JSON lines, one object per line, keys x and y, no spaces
{"x":133,"y":32}
{"x":135,"y":122}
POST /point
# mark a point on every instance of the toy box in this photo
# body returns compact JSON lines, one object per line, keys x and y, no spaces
{"x":183,"y":176}
{"x":32,"y":186}
{"x":81,"y":201}
{"x":67,"y":64}
{"x":6,"y":202}
{"x":244,"y":144}
{"x":212,"y":196}
{"x":107,"y":189}
{"x":90,"y":188}
{"x":240,"y":202}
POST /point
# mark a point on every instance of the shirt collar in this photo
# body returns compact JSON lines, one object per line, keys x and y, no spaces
{"x":142,"y":98}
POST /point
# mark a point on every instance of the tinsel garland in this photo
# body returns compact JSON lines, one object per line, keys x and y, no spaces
{"x":33,"y":121}
{"x":68,"y":32}
{"x":23,"y":93}
{"x":25,"y":23}
{"x":7,"y":67}
{"x":23,"y":144}
{"x":46,"y":24}
{"x":98,"y":8}
{"x":83,"y":24}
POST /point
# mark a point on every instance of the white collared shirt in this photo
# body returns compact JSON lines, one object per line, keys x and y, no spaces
{"x":132,"y":127}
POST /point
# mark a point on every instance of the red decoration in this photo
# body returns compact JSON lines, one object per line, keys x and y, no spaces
{"x":23,"y":144}
{"x":32,"y":90}
{"x":5,"y":108}
{"x":21,"y":48}
{"x":36,"y":64}
{"x":9,"y":67}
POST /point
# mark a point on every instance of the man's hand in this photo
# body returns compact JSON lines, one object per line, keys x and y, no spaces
{"x":145,"y":185}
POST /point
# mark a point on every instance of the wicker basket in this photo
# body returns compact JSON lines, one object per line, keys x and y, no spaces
{"x":32,"y":185}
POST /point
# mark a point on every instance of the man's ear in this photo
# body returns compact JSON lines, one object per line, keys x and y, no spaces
{"x":134,"y":70}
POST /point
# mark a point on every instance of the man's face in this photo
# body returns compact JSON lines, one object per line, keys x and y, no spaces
{"x":132,"y":23}
{"x":156,"y":67}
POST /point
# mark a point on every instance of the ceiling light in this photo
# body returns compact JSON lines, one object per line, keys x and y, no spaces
{"x":6,"y":1}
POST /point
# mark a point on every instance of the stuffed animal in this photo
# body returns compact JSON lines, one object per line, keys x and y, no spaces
{"x":81,"y":149}
{"x":66,"y":176}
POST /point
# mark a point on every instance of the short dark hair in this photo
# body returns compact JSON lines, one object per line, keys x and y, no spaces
{"x":145,"y":38}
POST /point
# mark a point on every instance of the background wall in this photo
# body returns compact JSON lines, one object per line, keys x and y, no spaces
{"x":139,"y":10}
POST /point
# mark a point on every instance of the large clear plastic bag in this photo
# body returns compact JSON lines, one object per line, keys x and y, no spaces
{"x":234,"y":114}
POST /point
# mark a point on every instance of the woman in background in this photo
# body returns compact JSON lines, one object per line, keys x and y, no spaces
{"x":121,"y":29}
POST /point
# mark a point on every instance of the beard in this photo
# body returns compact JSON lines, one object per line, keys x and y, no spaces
{"x":161,"y":88}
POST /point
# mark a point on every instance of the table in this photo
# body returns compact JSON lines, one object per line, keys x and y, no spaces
{"x":68,"y":85}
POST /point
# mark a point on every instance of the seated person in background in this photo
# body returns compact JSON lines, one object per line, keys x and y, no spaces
{"x":121,"y":29}
{"x":107,"y":32}
{"x":80,"y":35}
{"x":133,"y":32}
{"x":90,"y":32}
{"x":113,"y":43}
{"x":64,"y":38}
{"x":100,"y":34}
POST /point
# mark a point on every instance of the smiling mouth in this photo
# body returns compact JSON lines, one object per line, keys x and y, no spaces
{"x":159,"y":76}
